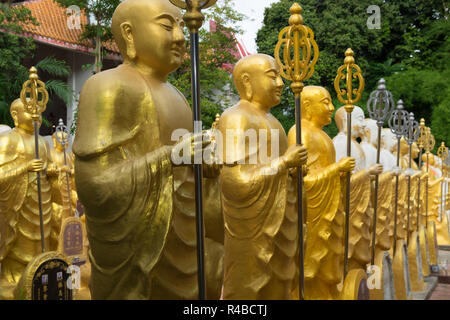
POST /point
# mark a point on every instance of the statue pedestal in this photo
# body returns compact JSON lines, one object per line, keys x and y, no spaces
{"x":400,"y":266}
{"x":415,"y":263}
{"x":45,"y":278}
{"x":384,"y":289}
{"x":355,"y":286}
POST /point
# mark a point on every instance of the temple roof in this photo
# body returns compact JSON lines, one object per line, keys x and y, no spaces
{"x":54,"y":28}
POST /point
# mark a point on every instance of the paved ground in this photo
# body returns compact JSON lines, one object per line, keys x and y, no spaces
{"x":442,"y":290}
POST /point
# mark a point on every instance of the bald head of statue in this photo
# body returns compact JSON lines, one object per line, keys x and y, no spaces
{"x":257,"y":80}
{"x":317,"y":105}
{"x":358,"y":123}
{"x":22,"y":118}
{"x":150,"y":35}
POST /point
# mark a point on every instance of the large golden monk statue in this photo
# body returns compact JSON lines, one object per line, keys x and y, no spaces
{"x":63,"y":209}
{"x":369,"y":144}
{"x":324,"y":254}
{"x":261,"y":235}
{"x":20,"y":237}
{"x":140,"y":209}
{"x":361,"y":209}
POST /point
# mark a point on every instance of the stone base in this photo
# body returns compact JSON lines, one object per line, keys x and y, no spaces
{"x":431,"y":283}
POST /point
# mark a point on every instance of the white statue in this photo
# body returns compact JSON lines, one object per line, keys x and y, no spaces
{"x":388,"y":147}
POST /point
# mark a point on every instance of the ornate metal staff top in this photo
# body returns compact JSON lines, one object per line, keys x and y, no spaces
{"x":398,"y":123}
{"x":379,"y":105}
{"x":349,"y":95}
{"x":296,"y":53}
{"x":194,"y":20}
{"x":413,"y":132}
{"x":348,"y":72}
{"x":62,"y":136}
{"x":193,"y":16}
{"x":34,"y":97}
{"x":299,"y":50}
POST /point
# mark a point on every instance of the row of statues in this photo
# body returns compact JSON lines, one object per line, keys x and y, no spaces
{"x":20,"y":238}
{"x":140,"y":203}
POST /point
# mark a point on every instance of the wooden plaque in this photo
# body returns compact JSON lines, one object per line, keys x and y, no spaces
{"x":71,"y":237}
{"x":45,"y":278}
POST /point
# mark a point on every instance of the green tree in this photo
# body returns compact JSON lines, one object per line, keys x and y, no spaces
{"x":98,"y":30}
{"x":14,"y":48}
{"x":216,"y":53}
{"x":383,"y":52}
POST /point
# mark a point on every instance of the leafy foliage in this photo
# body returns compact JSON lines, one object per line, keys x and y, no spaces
{"x":215,"y":54}
{"x":98,"y":30}
{"x":14,"y":48}
{"x":411,"y":49}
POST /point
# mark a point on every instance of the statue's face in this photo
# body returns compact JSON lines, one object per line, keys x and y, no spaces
{"x":22,"y":119}
{"x":415,"y":150}
{"x":56,"y":143}
{"x":388,"y":140}
{"x":158,"y":37}
{"x":358,"y":123}
{"x":321,"y":107}
{"x":370,"y":131}
{"x":266,"y":83}
{"x":404,"y":147}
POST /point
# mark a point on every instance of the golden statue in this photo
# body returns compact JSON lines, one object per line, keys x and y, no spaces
{"x":361,"y":209}
{"x":261,"y":235}
{"x":60,"y":197}
{"x":140,"y":207}
{"x":434,"y":200}
{"x":324,"y":252}
{"x":20,"y":237}
{"x":369,"y":143}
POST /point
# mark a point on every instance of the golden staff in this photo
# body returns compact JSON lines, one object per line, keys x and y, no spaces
{"x":428,"y":145}
{"x":34,"y":97}
{"x":420,"y":145}
{"x":62,"y":136}
{"x":442,"y":154}
{"x":348,"y":72}
{"x":194,"y":21}
{"x":297,"y":39}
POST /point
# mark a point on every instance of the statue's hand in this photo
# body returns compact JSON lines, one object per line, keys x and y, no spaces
{"x":376,"y":169}
{"x":295,"y":156}
{"x":65,"y":169}
{"x":35,"y":165}
{"x":189,"y":149}
{"x":347,"y":164}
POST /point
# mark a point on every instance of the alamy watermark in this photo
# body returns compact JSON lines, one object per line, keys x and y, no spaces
{"x":74,"y":19}
{"x":374,"y":21}
{"x":238,"y":146}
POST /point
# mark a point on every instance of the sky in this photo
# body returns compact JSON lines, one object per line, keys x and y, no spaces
{"x":254,"y":10}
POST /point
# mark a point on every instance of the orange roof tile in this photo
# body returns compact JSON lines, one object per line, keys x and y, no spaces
{"x":53,"y":27}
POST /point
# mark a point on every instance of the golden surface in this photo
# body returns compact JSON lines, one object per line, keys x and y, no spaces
{"x":299,"y":50}
{"x":415,"y":263}
{"x":261,"y":236}
{"x":23,"y":290}
{"x":348,"y":72}
{"x":20,"y":238}
{"x":60,"y":197}
{"x":140,"y":209}
{"x":323,"y":186}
